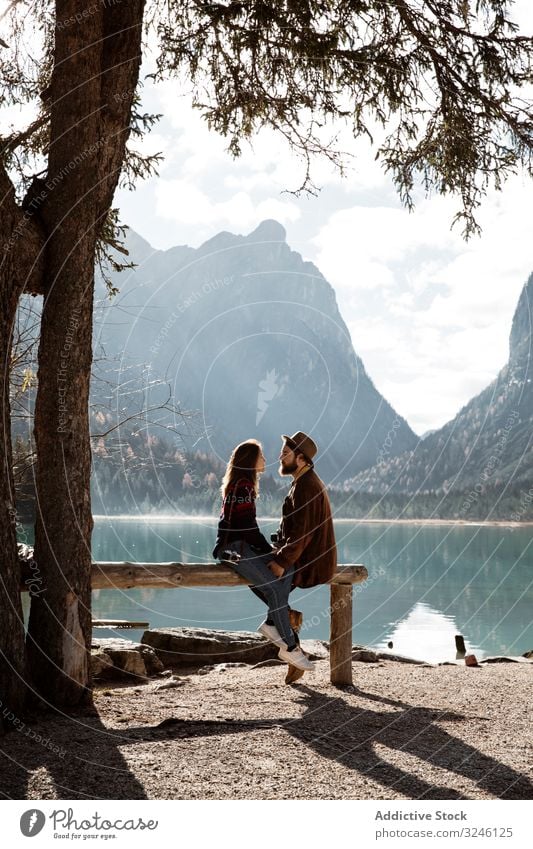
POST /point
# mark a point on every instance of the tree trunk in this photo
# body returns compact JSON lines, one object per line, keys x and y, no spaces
{"x":60,"y":615}
{"x":20,"y":265}
{"x":12,"y":673}
{"x":91,"y":92}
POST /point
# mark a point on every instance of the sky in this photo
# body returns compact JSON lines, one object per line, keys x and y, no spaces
{"x":429,"y":314}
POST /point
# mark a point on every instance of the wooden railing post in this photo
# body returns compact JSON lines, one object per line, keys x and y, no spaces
{"x":340,"y":646}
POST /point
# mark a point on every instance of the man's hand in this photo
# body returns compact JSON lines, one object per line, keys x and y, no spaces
{"x":278,"y":570}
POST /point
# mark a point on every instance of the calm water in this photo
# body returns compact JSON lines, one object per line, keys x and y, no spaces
{"x":426,"y":584}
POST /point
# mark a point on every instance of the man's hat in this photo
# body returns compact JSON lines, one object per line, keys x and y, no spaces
{"x":301,"y":442}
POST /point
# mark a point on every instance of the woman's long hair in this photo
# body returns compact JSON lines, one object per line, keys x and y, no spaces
{"x":242,"y":464}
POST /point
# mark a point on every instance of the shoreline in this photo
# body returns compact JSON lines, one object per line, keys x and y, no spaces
{"x":173,"y":517}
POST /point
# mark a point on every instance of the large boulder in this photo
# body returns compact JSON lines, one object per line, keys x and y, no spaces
{"x":101,"y":663}
{"x":206,"y":646}
{"x":365,"y":656}
{"x":122,"y":658}
{"x":506,"y":659}
{"x":315,"y":649}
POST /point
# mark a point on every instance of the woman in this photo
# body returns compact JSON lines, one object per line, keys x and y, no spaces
{"x":240,"y":541}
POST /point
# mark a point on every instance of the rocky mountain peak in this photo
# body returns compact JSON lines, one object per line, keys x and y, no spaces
{"x":250,"y":337}
{"x":268,"y":230}
{"x":520,"y":338}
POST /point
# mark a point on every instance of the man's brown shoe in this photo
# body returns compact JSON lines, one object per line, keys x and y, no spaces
{"x":296,"y":618}
{"x":294,"y":674}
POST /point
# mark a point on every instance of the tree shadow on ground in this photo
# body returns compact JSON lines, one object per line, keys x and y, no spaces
{"x":90,"y":764}
{"x":88,"y":755}
{"x":338,"y":731}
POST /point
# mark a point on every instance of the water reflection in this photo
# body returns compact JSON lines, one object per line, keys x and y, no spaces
{"x":426,"y":634}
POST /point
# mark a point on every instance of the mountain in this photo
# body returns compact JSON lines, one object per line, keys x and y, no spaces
{"x":249,"y":336}
{"x":489,"y":443}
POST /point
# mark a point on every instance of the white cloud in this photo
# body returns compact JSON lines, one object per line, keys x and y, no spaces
{"x":183,"y":203}
{"x":429,"y":314}
{"x":522,"y":13}
{"x":380,"y":237}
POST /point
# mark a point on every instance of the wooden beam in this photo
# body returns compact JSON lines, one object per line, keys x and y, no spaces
{"x":118,"y":623}
{"x":123,"y":575}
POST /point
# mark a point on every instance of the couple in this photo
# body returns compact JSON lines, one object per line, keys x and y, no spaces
{"x":304,"y":552}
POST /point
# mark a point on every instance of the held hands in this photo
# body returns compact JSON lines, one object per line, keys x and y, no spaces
{"x":278,"y":570}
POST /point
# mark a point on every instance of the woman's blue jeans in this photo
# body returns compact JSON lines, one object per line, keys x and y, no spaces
{"x":274,"y":591}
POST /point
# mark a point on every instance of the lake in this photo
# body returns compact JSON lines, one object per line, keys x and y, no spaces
{"x":426,"y":584}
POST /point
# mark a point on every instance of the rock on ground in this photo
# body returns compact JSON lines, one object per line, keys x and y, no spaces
{"x":206,"y":646}
{"x":115,"y":657}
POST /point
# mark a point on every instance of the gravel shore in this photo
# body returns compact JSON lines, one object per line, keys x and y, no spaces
{"x":401,"y":732}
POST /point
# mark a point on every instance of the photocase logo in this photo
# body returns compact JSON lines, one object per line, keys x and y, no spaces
{"x":269,"y":387}
{"x":32,"y":822}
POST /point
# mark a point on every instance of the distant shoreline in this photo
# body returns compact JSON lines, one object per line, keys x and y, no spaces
{"x":172,"y":517}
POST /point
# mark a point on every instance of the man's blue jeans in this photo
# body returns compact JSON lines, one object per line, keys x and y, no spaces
{"x":275,"y":591}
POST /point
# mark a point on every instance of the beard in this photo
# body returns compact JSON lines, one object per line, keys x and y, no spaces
{"x":287,"y":468}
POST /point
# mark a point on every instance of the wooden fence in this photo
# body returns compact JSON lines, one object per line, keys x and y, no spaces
{"x":122,"y":575}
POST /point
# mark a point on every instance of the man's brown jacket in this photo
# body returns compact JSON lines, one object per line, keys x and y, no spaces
{"x":305,"y":536}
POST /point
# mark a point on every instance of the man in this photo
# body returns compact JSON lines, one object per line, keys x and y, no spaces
{"x":305,"y":537}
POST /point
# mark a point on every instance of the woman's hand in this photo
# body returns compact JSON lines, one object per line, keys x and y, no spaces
{"x":278,"y":570}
